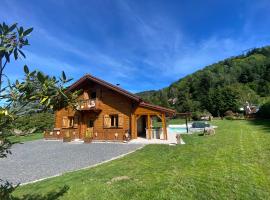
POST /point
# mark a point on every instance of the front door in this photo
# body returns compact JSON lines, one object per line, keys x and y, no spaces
{"x":87,"y":125}
{"x":90,"y":127}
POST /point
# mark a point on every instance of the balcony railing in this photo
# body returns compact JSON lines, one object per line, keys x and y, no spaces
{"x":88,"y":104}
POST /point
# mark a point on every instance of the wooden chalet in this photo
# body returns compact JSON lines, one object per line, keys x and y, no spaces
{"x":109,"y":112}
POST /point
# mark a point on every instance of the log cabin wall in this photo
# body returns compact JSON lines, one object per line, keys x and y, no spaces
{"x":109,"y":103}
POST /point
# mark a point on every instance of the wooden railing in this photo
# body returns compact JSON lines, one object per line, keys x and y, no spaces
{"x":88,"y":104}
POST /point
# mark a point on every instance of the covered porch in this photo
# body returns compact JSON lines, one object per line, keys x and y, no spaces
{"x":142,"y":124}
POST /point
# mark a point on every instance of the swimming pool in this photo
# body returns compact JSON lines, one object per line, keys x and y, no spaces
{"x":177,"y":130}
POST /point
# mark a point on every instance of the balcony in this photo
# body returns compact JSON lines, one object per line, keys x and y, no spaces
{"x":88,"y":104}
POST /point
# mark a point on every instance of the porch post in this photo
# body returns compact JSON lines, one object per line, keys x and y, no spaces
{"x":133,"y":126}
{"x":164,"y":126}
{"x":148,"y":126}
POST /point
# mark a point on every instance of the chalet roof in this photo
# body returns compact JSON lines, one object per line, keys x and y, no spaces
{"x":119,"y":90}
{"x":105,"y":84}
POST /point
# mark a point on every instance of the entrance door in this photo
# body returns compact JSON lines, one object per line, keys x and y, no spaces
{"x":88,"y":122}
{"x":90,"y":127}
{"x":141,"y":127}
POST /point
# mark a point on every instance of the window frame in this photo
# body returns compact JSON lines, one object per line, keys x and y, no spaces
{"x":114,"y":120}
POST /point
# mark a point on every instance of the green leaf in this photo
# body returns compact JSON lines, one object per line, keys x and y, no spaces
{"x":7,"y":57}
{"x":15,"y":53}
{"x":5,"y":27}
{"x":68,"y":80}
{"x":32,"y":73}
{"x":23,"y":55}
{"x":43,"y":100}
{"x":64,"y":76}
{"x":40,"y":77}
{"x":12,"y":27}
{"x":2,"y":48}
{"x":28,"y":31}
{"x":26,"y":42}
{"x":20,"y":31}
{"x":26,"y":69}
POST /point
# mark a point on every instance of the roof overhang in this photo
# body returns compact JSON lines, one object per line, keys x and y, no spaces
{"x":89,"y":77}
{"x":158,"y":108}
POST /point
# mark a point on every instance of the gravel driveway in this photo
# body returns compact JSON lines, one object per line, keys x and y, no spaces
{"x":40,"y":159}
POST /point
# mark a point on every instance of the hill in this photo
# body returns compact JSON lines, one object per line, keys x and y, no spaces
{"x":219,"y":87}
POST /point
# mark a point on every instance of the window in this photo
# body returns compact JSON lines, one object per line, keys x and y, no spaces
{"x":114,"y":120}
{"x":93,"y":95}
{"x":71,"y":121}
{"x":68,"y":122}
{"x":90,"y":123}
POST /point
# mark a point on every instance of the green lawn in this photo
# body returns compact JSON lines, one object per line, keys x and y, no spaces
{"x":29,"y":137}
{"x":233,"y":164}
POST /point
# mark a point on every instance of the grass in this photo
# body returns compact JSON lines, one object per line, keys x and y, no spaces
{"x":233,"y":164}
{"x":25,"y":138}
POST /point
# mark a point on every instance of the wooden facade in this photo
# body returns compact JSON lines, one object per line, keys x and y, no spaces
{"x":110,"y":112}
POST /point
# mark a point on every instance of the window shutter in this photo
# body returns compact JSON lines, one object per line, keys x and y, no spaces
{"x":76,"y":121}
{"x":106,"y":121}
{"x":65,"y":122}
{"x":85,"y":95}
{"x":120,"y":120}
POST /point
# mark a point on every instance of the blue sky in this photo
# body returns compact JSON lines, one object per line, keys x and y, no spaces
{"x":141,"y":45}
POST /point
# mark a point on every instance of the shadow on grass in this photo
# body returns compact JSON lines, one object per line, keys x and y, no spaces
{"x":6,"y":190}
{"x":262,"y":123}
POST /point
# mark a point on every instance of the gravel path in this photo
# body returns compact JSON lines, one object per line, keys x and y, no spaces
{"x":40,"y":159}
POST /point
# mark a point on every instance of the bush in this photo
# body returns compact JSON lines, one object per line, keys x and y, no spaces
{"x":37,"y":122}
{"x":229,"y":117}
{"x":229,"y":113}
{"x":196,"y":116}
{"x":264,"y":111}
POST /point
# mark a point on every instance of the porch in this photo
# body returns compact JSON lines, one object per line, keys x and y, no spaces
{"x":142,"y":123}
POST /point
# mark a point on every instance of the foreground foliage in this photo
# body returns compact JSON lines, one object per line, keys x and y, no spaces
{"x":48,"y":93}
{"x":233,"y":164}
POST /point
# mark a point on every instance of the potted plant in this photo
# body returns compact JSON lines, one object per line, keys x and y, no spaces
{"x":88,"y":136}
{"x":67,"y":137}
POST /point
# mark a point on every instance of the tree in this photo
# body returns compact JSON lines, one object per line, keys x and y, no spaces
{"x":248,"y":75}
{"x":223,"y":99}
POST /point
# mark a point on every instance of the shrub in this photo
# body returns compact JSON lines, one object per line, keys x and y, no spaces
{"x":229,"y":113}
{"x":196,"y":116}
{"x":229,"y":117}
{"x":264,"y":111}
{"x":37,"y":121}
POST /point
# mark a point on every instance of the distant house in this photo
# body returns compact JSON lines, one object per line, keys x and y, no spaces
{"x":109,"y":112}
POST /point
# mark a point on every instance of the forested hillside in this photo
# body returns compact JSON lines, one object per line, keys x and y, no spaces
{"x":219,"y":87}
